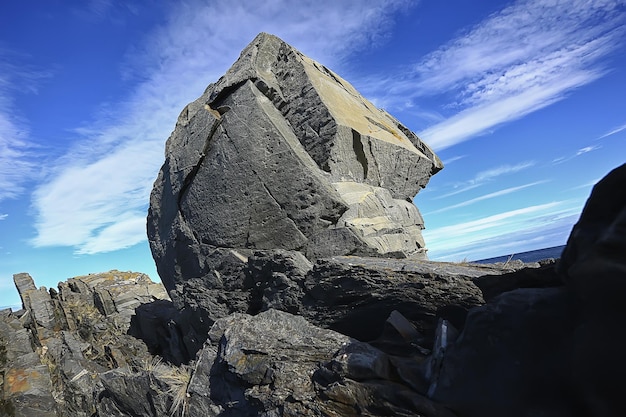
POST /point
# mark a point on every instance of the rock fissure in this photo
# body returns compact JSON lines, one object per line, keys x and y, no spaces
{"x":357,"y":147}
{"x":194,"y":170}
{"x":374,"y":160}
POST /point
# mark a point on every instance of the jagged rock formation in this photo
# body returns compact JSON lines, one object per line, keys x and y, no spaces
{"x":112,"y":344}
{"x":281,"y":153}
{"x":56,"y":349}
{"x":276,"y":173}
{"x":539,"y":346}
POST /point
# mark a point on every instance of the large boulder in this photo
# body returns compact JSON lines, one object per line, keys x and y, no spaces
{"x":282,"y":153}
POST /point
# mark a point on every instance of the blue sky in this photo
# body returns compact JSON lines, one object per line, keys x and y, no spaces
{"x":522,"y":100}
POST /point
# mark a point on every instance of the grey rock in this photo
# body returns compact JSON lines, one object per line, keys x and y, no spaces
{"x":352,"y":295}
{"x":278,"y":364}
{"x":142,"y":393}
{"x":281,"y":153}
{"x":57,"y":348}
{"x":355,"y":295}
{"x":279,"y":278}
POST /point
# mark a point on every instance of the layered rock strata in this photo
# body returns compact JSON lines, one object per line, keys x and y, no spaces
{"x":282,"y":153}
{"x":54,"y":351}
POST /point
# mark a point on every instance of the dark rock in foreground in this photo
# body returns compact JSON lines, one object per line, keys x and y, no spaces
{"x":550,"y":351}
{"x":57,"y":350}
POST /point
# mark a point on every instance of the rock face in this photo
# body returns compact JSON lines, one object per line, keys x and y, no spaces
{"x":281,"y":153}
{"x":54,"y":352}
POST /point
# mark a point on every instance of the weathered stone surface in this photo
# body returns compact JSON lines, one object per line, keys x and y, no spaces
{"x":58,"y":346}
{"x":355,"y":295}
{"x":277,"y":364}
{"x":281,"y":153}
{"x":352,"y":295}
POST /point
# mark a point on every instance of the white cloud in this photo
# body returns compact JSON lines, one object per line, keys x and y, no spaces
{"x":486,"y":176}
{"x":15,"y":167}
{"x":587,"y":149}
{"x":97,"y":195}
{"x":578,"y":153}
{"x":518,"y":60}
{"x":2,"y":217}
{"x":493,"y":173}
{"x":453,"y":159}
{"x":479,"y":119}
{"x":613,"y":131}
{"x":16,"y":161}
{"x":495,"y":194}
{"x":522,"y":229}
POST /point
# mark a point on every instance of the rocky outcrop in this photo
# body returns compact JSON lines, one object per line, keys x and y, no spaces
{"x":341,"y":336}
{"x":282,"y":153}
{"x":112,"y":344}
{"x":279,"y":364}
{"x":55,"y":350}
{"x":274,"y":181}
{"x":352,"y":295}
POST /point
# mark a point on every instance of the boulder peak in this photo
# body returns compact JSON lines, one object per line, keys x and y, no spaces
{"x":282,"y":153}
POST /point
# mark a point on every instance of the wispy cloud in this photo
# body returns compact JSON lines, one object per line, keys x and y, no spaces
{"x":613,"y":131}
{"x":453,"y":159}
{"x":539,"y":225}
{"x":3,"y":216}
{"x":489,"y":196}
{"x":518,"y":60}
{"x":587,"y":149}
{"x":588,"y":185}
{"x":579,"y":152}
{"x":486,"y":176}
{"x":16,"y":166}
{"x":97,"y":195}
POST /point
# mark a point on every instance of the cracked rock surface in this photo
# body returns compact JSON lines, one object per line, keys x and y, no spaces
{"x":282,"y":153}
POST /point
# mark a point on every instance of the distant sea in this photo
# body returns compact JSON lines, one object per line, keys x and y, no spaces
{"x":531,"y":256}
